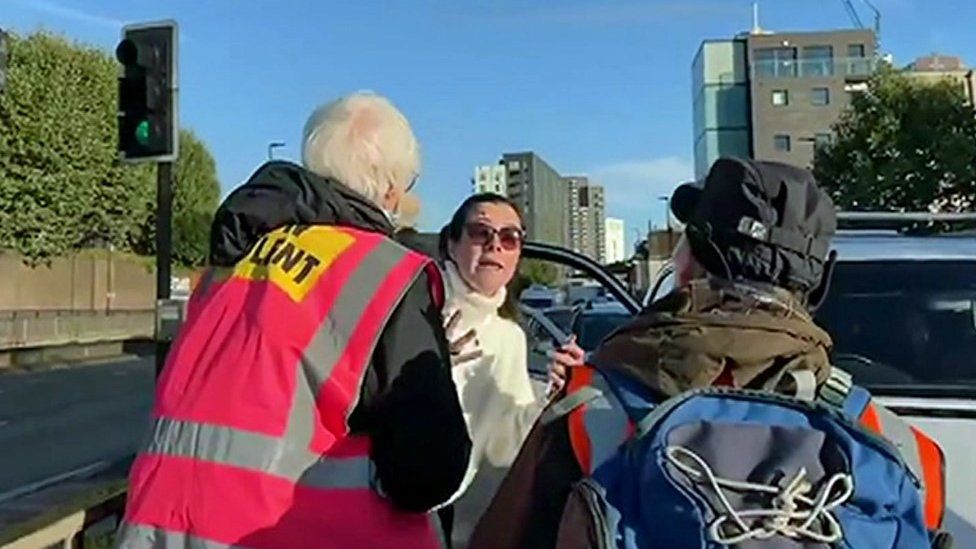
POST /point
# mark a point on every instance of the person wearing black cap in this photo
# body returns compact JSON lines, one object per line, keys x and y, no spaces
{"x":758,"y":234}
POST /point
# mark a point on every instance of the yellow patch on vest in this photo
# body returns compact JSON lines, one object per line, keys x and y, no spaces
{"x":293,"y":258}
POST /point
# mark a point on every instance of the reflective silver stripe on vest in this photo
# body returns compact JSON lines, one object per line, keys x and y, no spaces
{"x":257,"y":452}
{"x":138,"y":536}
{"x":605,"y":421}
{"x":329,"y":342}
{"x":900,"y":434}
{"x":227,"y":446}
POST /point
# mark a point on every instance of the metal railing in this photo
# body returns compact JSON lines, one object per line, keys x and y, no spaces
{"x":901,"y":220}
{"x":813,"y":68}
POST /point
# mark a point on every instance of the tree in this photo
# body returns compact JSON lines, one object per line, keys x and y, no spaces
{"x":191,"y":238}
{"x":539,"y":272}
{"x":195,"y":199}
{"x":903,"y":145}
{"x":62,"y":187}
{"x":196,"y":193}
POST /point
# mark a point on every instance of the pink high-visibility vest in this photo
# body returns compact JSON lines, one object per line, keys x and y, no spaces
{"x":250,"y":443}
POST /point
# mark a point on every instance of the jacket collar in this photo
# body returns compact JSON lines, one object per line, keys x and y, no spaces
{"x":280,"y":194}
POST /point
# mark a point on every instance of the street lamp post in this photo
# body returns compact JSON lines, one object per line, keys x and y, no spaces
{"x":272,"y":146}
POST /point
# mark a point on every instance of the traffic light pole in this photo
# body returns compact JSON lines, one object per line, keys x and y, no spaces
{"x":148,"y":126}
{"x":164,"y":247}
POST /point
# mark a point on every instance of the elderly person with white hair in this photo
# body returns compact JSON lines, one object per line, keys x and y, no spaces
{"x":308,"y":401}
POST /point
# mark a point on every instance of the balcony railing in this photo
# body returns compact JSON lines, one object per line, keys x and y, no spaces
{"x":813,"y":68}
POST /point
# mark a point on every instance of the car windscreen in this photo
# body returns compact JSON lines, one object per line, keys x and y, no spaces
{"x":905,"y":327}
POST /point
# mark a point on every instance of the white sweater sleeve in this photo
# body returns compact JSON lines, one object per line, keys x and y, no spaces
{"x":497,"y":398}
{"x":520,"y":407}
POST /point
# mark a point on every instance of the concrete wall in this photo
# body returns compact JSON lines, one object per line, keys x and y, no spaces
{"x":91,"y":281}
{"x":20,"y":330}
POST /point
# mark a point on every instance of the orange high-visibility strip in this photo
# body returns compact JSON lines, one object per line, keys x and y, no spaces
{"x":578,"y":437}
{"x":869,"y":418}
{"x":933,"y":463}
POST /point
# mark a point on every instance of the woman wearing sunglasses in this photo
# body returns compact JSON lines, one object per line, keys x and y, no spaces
{"x":481,"y":247}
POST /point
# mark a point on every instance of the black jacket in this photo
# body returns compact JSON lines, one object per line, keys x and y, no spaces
{"x":409,"y":405}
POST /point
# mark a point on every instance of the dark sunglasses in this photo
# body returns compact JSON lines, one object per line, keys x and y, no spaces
{"x":511,"y":238}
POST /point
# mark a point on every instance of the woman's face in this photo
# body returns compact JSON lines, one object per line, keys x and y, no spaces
{"x":488,"y":251}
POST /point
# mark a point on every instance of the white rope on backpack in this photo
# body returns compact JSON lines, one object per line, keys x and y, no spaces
{"x":794,"y":513}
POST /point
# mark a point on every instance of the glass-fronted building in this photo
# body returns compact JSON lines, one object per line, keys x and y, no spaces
{"x":720,"y":87}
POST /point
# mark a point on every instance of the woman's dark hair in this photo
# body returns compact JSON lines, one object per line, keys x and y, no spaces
{"x":455,"y":228}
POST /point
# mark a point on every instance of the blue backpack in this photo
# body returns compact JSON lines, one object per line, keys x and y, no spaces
{"x":721,"y":467}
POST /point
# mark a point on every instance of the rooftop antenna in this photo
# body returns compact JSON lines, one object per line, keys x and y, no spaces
{"x":756,"y":29}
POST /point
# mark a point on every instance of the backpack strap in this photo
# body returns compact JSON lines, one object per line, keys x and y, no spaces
{"x":596,"y":420}
{"x":921,"y":453}
{"x":569,"y":403}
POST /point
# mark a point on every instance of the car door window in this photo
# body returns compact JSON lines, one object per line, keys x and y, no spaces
{"x":662,"y":286}
{"x":592,"y":303}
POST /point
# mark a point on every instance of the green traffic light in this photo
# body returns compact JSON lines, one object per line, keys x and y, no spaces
{"x":142,"y":133}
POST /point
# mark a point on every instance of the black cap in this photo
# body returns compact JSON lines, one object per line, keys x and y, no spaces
{"x":769,"y":221}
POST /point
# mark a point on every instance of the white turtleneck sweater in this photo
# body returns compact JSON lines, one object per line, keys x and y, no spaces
{"x":495,"y":391}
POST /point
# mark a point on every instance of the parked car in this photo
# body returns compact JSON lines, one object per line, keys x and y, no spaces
{"x":540,"y":297}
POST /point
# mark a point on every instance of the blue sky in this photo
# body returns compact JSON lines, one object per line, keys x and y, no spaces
{"x":597,"y":87}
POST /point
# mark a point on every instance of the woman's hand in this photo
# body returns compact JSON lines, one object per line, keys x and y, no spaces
{"x":464,"y":348}
{"x":570,"y":355}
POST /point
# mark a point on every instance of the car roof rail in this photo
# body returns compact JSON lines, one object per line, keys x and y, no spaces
{"x":898,"y":221}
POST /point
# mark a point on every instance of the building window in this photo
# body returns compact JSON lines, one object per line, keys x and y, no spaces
{"x":855,"y":50}
{"x":820,"y":96}
{"x":781,"y":143}
{"x":781,"y":98}
{"x":775,"y":62}
{"x":821,"y":139}
{"x":817,"y":61}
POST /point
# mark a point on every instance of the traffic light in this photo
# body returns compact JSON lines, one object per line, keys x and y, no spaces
{"x":4,"y":54}
{"x":148,"y":125}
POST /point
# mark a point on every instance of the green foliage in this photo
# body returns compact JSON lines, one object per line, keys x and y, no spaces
{"x":195,"y":199}
{"x":196,"y":193}
{"x":61,"y":185}
{"x":903,"y":145}
{"x":539,"y":272}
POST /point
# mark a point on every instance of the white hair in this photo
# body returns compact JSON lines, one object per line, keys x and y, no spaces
{"x":364,"y":142}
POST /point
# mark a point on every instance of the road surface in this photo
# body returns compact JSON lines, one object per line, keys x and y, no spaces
{"x":58,"y":421}
{"x":66,"y":420}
